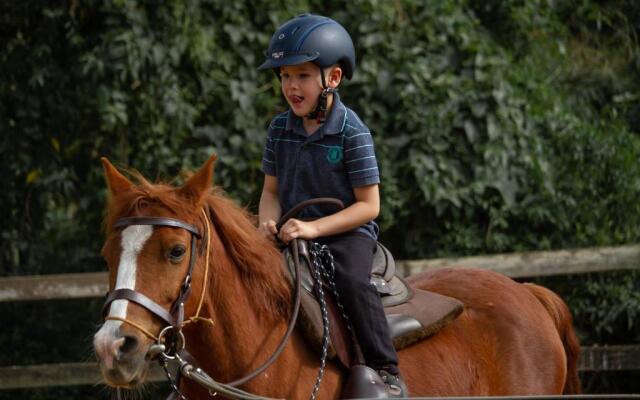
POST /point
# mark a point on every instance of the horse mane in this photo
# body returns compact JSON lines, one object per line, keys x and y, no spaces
{"x":256,"y":258}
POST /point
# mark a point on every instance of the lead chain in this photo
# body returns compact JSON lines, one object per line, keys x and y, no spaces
{"x":172,"y":381}
{"x":328,"y":270}
{"x":324,"y":270}
{"x":317,"y":278}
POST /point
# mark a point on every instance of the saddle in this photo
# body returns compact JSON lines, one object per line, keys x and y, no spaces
{"x":412,"y":314}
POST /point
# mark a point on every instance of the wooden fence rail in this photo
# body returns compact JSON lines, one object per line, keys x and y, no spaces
{"x":516,"y":265}
{"x":539,"y":263}
{"x":50,"y":287}
{"x":607,"y":358}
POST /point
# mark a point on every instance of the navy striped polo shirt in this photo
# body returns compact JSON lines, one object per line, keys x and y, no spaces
{"x":329,"y":163}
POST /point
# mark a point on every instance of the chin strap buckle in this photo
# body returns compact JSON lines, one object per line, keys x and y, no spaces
{"x":320,"y":112}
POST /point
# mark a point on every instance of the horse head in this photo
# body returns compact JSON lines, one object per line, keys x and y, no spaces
{"x":154,"y":233}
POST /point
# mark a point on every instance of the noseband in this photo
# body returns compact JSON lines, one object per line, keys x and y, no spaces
{"x":175,"y":316}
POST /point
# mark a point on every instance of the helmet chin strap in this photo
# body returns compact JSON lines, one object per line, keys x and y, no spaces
{"x":320,"y":112}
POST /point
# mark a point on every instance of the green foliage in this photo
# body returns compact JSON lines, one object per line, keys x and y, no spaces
{"x":609,"y":305}
{"x":480,"y":151}
{"x":499,"y":125}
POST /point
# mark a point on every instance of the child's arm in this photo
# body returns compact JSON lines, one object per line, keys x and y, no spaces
{"x":269,"y":209}
{"x":365,"y":209}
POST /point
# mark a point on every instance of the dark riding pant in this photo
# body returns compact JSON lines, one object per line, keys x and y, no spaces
{"x":353,"y":257}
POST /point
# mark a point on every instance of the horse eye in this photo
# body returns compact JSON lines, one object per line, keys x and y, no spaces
{"x":176,"y":253}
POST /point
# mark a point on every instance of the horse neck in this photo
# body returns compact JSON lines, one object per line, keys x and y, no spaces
{"x":241,"y":338}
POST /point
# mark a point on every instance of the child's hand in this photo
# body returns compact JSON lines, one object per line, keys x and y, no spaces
{"x":295,"y":228}
{"x":269,"y":229}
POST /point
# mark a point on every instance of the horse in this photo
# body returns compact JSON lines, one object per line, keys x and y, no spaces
{"x":511,"y":338}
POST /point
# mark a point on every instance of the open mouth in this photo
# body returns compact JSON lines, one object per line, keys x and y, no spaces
{"x":296,"y":99}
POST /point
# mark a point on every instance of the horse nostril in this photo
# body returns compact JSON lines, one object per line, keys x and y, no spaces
{"x":129,"y":345}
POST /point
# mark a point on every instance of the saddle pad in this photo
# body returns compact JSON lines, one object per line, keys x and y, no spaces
{"x":412,"y":316}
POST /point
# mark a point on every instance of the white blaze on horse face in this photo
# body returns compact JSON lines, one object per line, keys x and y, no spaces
{"x":133,"y":239}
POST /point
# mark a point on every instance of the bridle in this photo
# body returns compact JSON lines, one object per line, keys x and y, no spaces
{"x":175,"y":316}
{"x":170,"y":341}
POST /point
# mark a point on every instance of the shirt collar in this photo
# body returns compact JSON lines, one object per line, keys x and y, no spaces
{"x":333,"y":125}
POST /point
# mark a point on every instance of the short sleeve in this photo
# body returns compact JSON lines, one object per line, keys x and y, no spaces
{"x":269,"y":153}
{"x":269,"y":157}
{"x":360,"y":158}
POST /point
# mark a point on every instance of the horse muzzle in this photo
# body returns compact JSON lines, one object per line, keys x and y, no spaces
{"x":121,"y":356}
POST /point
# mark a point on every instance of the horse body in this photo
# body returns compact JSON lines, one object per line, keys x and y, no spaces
{"x":510,"y":339}
{"x":504,"y":343}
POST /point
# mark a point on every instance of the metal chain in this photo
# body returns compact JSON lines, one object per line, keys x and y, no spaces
{"x":324,"y":272}
{"x":315,"y":256}
{"x":172,"y":382}
{"x":328,"y":269}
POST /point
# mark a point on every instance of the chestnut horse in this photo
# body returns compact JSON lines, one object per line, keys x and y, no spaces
{"x":511,"y":339}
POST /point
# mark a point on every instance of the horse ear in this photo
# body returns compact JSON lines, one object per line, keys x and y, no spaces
{"x":200,"y":182}
{"x":116,"y":182}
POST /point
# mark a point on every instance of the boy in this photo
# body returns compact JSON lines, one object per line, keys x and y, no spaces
{"x":320,"y":148}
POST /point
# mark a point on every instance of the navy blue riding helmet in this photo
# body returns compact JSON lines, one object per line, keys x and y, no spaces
{"x":314,"y":38}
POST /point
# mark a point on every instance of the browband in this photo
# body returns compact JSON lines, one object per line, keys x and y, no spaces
{"x":157,"y":221}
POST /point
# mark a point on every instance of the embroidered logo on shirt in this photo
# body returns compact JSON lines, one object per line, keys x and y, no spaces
{"x":334,"y":154}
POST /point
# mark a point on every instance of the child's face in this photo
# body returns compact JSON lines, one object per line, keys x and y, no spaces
{"x":301,"y":86}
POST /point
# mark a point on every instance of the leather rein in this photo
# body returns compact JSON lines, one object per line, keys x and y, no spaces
{"x":170,"y":343}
